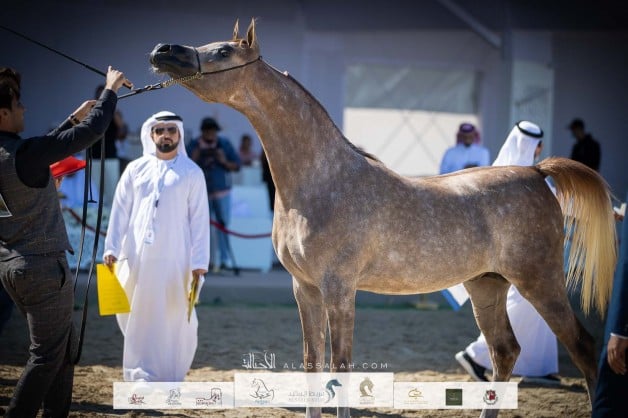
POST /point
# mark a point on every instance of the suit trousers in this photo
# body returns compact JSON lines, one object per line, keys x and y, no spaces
{"x":42,"y":288}
{"x":611,"y":394}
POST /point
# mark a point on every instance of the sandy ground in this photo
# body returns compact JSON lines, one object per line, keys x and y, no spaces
{"x":415,"y":345}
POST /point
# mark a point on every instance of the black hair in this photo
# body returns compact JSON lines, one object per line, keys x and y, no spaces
{"x":10,"y":81}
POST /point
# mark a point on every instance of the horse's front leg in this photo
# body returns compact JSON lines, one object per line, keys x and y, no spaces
{"x":314,"y":322}
{"x":339,"y":298}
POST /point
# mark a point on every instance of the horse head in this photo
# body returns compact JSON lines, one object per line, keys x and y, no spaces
{"x":213,"y":63}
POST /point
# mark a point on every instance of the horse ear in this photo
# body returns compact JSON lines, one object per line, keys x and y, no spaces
{"x":250,"y":34}
{"x":236,"y":29}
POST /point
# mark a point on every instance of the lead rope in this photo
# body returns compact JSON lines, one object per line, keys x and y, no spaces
{"x":161,"y":85}
{"x":101,"y":189}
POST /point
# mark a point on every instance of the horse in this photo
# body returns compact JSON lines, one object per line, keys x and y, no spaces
{"x":345,"y":222}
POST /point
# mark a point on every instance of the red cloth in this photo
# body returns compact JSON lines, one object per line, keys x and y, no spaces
{"x":66,"y":166}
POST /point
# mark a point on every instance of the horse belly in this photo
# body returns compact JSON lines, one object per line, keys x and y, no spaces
{"x":407,"y":286}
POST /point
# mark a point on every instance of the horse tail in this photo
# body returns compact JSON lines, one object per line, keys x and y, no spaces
{"x":585,"y":200}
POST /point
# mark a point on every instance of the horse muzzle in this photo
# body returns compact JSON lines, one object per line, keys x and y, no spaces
{"x":176,"y":60}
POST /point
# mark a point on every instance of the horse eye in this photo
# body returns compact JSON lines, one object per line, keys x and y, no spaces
{"x":224,"y":53}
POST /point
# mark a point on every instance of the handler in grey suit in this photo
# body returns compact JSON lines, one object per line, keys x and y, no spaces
{"x":33,"y":240}
{"x":611,"y":395}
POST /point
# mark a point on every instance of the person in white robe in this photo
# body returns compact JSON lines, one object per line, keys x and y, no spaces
{"x":466,"y":153}
{"x":158,"y":234}
{"x":538,"y":360}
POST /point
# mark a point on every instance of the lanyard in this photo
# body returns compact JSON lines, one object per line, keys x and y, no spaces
{"x":163,"y":167}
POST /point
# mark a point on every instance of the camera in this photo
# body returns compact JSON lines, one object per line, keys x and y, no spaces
{"x":208,"y":152}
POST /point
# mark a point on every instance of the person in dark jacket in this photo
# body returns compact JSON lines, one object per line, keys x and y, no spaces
{"x":59,"y":170}
{"x":33,"y":240}
{"x":218,"y":159}
{"x":586,"y":149}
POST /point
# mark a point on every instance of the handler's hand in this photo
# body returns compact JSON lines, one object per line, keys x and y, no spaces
{"x":115,"y":79}
{"x":199,"y":272}
{"x":82,"y":111}
{"x":616,"y":348}
{"x":109,"y":260}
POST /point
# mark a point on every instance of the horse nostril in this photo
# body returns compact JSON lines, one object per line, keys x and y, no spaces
{"x":163,"y":48}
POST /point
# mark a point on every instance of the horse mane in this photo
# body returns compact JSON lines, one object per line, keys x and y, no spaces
{"x":311,"y":97}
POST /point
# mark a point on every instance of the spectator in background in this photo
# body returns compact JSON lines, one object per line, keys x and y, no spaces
{"x":466,"y":153}
{"x":217,"y":158}
{"x":72,"y":190}
{"x":268,"y":179}
{"x":121,"y":146}
{"x":586,"y":149}
{"x":246,"y":153}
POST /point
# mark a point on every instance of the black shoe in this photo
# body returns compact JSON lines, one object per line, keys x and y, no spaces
{"x":475,"y":370}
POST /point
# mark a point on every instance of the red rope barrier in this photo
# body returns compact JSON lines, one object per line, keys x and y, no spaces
{"x":218,"y":226}
{"x":222,"y":228}
{"x":80,"y":220}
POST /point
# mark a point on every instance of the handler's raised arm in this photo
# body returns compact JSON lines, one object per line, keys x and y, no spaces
{"x":116,"y":79}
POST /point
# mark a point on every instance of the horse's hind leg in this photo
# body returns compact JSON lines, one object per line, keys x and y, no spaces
{"x":314,"y":323}
{"x":488,"y":296}
{"x":551,"y":302}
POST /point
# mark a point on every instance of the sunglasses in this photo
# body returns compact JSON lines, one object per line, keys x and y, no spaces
{"x":171,"y":130}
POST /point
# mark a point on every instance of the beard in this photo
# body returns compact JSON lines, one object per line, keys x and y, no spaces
{"x":167,"y":147}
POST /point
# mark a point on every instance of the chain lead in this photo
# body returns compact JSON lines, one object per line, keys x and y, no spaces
{"x":172,"y":81}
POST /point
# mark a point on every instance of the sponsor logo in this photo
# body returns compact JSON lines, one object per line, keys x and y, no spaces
{"x":174,"y":397}
{"x":415,"y":397}
{"x":490,"y":397}
{"x":453,"y":397}
{"x":366,"y":391}
{"x":136,"y":399}
{"x":260,"y":392}
{"x":329,"y":388}
{"x":215,"y":398}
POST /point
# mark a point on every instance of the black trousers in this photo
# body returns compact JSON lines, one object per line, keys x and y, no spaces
{"x":611,"y":392}
{"x":43,"y":291}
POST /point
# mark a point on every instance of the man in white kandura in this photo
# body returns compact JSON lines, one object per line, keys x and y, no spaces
{"x":538,"y":360}
{"x":159,"y":235}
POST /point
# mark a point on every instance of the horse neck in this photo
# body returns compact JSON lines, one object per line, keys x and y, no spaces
{"x":300,"y":140}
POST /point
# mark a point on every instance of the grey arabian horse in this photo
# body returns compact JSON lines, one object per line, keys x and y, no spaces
{"x":343,"y":221}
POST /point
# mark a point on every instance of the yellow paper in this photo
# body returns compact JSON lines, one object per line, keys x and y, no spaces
{"x":112,"y":298}
{"x":193,"y":295}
